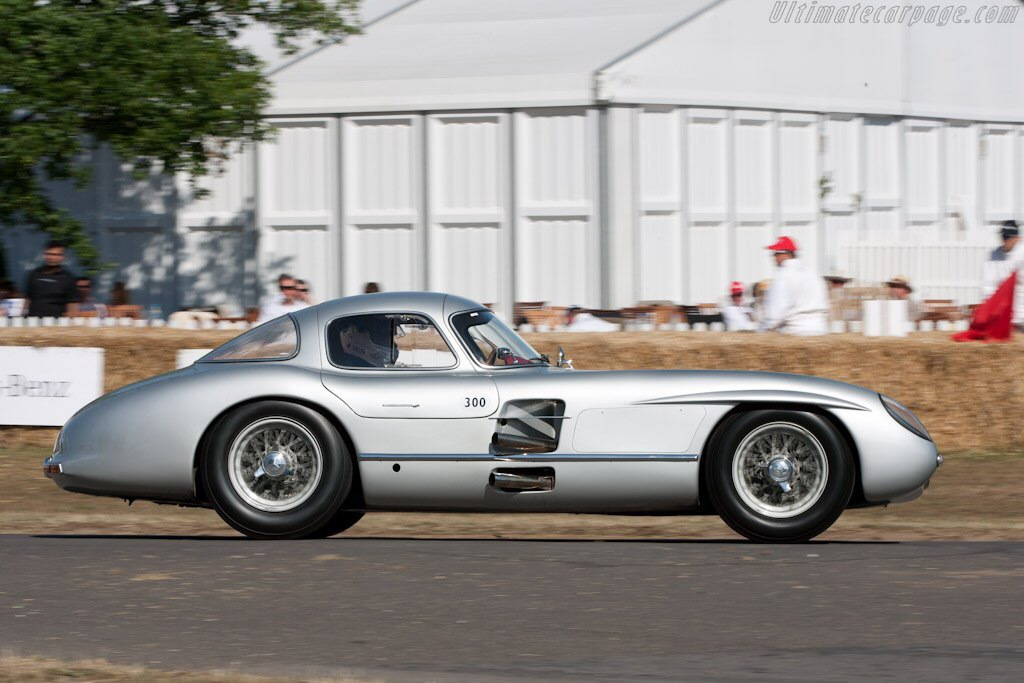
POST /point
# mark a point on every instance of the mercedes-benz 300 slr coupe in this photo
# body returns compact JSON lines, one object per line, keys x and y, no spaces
{"x":428,"y":401}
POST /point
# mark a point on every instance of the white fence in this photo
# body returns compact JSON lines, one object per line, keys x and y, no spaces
{"x":837,"y":326}
{"x":190,"y":324}
{"x":943,"y":270}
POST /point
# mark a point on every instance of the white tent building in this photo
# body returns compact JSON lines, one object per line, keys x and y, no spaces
{"x":600,"y":152}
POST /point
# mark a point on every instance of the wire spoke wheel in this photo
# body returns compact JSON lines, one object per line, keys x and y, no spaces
{"x":780,"y":470}
{"x":275,"y":464}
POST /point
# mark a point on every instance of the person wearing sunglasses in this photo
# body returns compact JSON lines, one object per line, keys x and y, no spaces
{"x":50,"y":287}
{"x":287,"y":301}
{"x":302,"y":292}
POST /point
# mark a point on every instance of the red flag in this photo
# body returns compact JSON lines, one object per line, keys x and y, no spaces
{"x":992,"y":319}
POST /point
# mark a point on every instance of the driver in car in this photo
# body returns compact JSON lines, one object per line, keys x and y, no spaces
{"x":367,"y":342}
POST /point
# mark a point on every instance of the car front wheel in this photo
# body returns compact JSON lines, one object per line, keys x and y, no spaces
{"x":780,"y":476}
{"x":277,"y":470}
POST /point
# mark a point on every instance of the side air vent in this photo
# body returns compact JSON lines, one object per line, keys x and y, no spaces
{"x":528,"y":426}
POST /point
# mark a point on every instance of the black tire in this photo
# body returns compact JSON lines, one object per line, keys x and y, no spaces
{"x":342,"y":521}
{"x":321,"y":497}
{"x":757,"y":510}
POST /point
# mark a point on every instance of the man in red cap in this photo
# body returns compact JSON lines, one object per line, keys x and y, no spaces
{"x":797,"y":301}
{"x":737,"y":316}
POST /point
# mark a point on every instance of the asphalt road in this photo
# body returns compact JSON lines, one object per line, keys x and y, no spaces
{"x":479,"y":610}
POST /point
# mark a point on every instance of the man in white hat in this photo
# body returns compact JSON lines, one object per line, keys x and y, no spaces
{"x":797,"y":300}
{"x":900,"y":289}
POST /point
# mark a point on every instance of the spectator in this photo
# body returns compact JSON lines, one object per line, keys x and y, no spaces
{"x":285,"y":302}
{"x":836,"y":280}
{"x":900,"y":289}
{"x":371,"y":288}
{"x":578,"y":320}
{"x":86,"y":302}
{"x":119,"y":295}
{"x":12,"y":304}
{"x":1001,"y":262}
{"x":737,"y":315}
{"x":50,"y":287}
{"x":302,"y":292}
{"x":842,"y":306}
{"x":797,"y":302}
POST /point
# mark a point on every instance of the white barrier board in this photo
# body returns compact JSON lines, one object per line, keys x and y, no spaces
{"x":45,"y":385}
{"x":187,"y":357}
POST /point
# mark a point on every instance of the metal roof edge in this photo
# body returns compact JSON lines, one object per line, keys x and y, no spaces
{"x":312,"y":51}
{"x":854,"y":107}
{"x":598,"y":75}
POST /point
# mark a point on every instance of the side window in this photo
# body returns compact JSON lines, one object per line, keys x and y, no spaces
{"x":387,"y":340}
{"x":275,"y":340}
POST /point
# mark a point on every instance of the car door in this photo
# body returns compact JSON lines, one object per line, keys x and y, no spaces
{"x":421,"y":423}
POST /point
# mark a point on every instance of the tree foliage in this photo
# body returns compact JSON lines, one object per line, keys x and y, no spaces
{"x":164,"y":83}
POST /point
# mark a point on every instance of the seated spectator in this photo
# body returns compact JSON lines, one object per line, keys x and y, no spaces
{"x":578,"y":320}
{"x":900,"y":289}
{"x":737,"y":315}
{"x":285,"y":302}
{"x":371,"y":288}
{"x":86,"y":302}
{"x":12,"y":303}
{"x":119,"y":295}
{"x":836,"y":280}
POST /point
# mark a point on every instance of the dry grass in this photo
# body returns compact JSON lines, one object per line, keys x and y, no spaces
{"x":967,"y":394}
{"x":42,"y":670}
{"x":973,"y":497}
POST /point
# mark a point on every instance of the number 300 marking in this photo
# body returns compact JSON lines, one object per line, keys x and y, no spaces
{"x":475,"y":402}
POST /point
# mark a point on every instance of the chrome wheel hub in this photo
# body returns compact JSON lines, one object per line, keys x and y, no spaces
{"x":275,"y":464}
{"x":780,"y":470}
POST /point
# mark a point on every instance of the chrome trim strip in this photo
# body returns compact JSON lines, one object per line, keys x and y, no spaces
{"x":756,"y":395}
{"x":529,"y":417}
{"x":533,"y":457}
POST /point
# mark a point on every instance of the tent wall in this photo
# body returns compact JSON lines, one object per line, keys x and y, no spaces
{"x":598,"y":206}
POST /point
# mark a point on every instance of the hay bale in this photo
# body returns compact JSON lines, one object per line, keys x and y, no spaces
{"x":964,"y":393}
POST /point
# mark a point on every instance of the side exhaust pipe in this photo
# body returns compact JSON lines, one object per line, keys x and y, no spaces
{"x":525,"y":479}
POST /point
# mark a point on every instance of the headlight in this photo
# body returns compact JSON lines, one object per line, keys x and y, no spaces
{"x":902,"y":414}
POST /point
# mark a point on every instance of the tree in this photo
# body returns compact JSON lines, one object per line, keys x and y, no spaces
{"x":162,"y":82}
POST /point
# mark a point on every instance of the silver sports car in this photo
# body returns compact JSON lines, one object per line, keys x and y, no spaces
{"x":428,"y":401}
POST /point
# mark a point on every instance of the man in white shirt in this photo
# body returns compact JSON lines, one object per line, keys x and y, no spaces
{"x":738,"y":317}
{"x":285,"y":302}
{"x":797,"y":301}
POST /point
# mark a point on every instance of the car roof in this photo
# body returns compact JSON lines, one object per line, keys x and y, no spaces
{"x":437,"y":305}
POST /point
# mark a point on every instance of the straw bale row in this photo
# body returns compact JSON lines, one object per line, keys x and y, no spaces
{"x":968,"y":395}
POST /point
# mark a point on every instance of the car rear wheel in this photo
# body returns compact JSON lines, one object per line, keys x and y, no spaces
{"x":277,"y":470}
{"x":780,"y":476}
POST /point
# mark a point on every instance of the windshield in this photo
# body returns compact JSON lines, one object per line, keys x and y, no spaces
{"x":492,"y":342}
